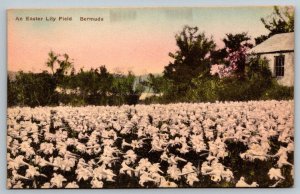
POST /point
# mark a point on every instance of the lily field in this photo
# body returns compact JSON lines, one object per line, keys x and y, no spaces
{"x":222,"y":144}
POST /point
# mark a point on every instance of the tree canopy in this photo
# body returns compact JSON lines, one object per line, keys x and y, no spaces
{"x":191,"y":58}
{"x":280,"y":21}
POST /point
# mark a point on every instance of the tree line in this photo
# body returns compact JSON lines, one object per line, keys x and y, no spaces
{"x":64,"y":86}
{"x":198,"y":72}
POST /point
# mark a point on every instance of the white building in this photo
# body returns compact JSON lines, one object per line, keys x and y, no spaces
{"x":279,"y":51}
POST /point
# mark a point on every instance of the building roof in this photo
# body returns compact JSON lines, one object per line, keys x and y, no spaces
{"x":277,"y":43}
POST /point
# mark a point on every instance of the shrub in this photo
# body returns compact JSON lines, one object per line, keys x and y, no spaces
{"x":278,"y":92}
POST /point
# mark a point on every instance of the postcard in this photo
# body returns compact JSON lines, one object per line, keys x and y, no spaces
{"x":150,"y":97}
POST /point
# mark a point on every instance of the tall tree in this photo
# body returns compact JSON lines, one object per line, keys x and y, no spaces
{"x":65,"y":64}
{"x":52,"y":59}
{"x":191,"y":59}
{"x":236,"y":46}
{"x":233,"y":56}
{"x":280,"y":21}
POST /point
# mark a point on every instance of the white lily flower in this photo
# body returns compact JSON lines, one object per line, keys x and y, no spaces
{"x":72,"y":185}
{"x":242,"y":183}
{"x":32,"y":171}
{"x":57,"y":180}
{"x":174,"y":172}
{"x":126,"y":169}
{"x":275,"y":173}
{"x":165,"y":184}
{"x":145,"y":177}
{"x":96,"y":183}
{"x":47,"y":148}
{"x":83,"y":173}
{"x":18,"y":185}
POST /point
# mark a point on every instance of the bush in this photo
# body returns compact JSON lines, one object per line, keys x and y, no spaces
{"x":257,"y":84}
{"x":205,"y":89}
{"x":278,"y":92}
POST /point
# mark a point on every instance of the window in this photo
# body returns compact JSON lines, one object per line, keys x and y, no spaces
{"x":279,"y":66}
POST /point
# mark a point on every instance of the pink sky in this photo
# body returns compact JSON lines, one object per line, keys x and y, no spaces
{"x":128,"y":39}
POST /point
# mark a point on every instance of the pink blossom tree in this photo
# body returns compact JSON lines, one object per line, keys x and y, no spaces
{"x":233,"y":57}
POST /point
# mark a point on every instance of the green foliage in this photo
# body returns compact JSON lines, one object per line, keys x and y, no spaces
{"x":86,"y":87}
{"x":258,"y":79}
{"x":218,"y":56}
{"x":125,"y":90}
{"x":59,"y":64}
{"x":234,"y":52}
{"x":156,"y":84}
{"x":242,"y":90}
{"x":30,"y":89}
{"x":257,"y":85}
{"x":52,"y":59}
{"x":62,"y":86}
{"x":260,"y":39}
{"x":205,"y":89}
{"x":191,"y":59}
{"x":99,"y":87}
{"x":234,"y":42}
{"x":280,"y":21}
{"x":278,"y":92}
{"x":12,"y":93}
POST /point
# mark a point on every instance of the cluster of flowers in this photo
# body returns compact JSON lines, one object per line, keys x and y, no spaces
{"x":175,"y":145}
{"x":233,"y":58}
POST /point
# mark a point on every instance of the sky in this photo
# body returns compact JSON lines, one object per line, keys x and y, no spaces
{"x":127,"y":39}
